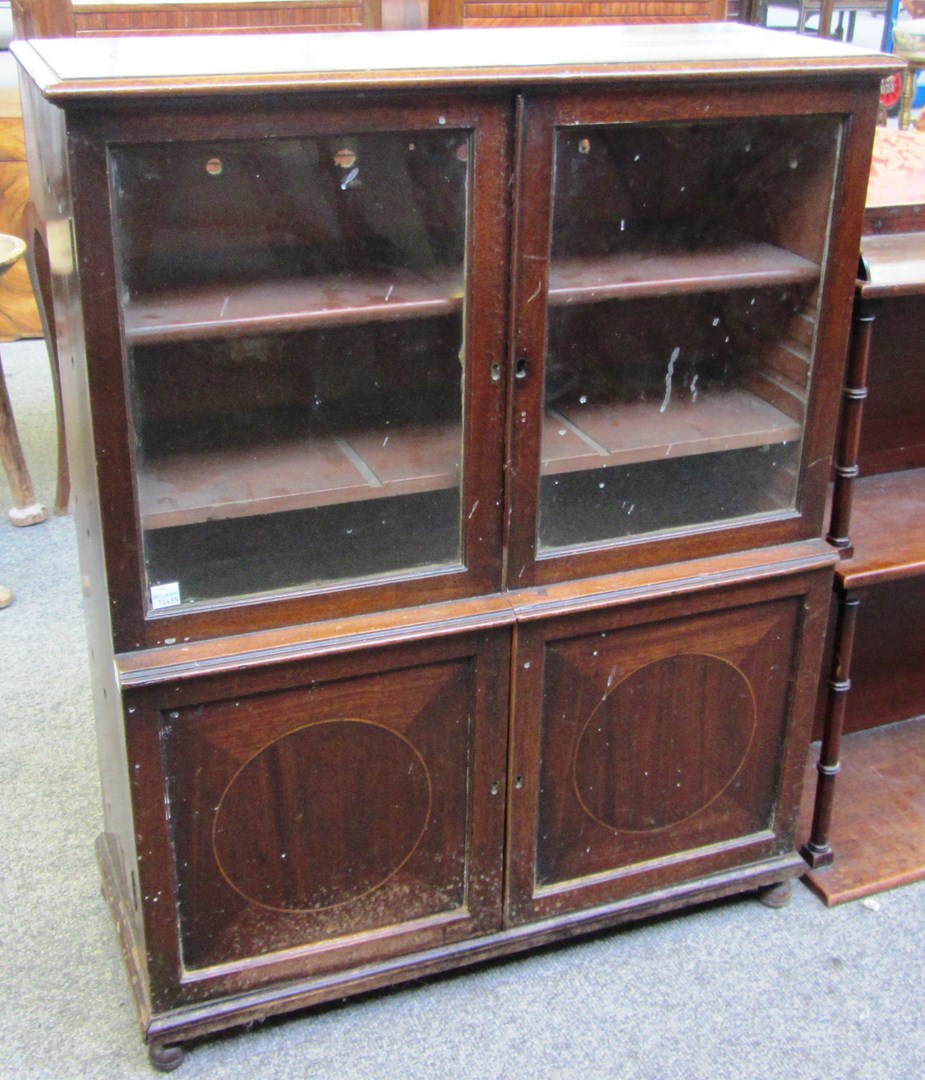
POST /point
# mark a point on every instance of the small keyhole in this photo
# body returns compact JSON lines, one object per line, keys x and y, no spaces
{"x":495,"y":787}
{"x":518,"y":782}
{"x":496,"y":373}
{"x":520,"y":367}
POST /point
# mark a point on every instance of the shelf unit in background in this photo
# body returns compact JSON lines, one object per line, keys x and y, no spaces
{"x":877,"y":678}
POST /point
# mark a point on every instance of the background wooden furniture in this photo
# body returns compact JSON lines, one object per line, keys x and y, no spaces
{"x":454,"y":548}
{"x":878,"y":524}
{"x":67,"y":18}
{"x":19,"y":316}
{"x":572,"y":12}
{"x":26,"y":510}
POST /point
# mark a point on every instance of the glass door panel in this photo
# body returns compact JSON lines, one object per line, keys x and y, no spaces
{"x":293,"y":313}
{"x":684,"y":276}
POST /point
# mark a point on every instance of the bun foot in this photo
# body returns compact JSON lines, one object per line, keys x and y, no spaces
{"x":166,"y":1058}
{"x":776,"y":896}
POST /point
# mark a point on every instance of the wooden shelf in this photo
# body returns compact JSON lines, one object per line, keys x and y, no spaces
{"x":295,"y":304}
{"x":878,"y":832}
{"x":271,"y":307}
{"x":593,"y":436}
{"x":894,"y":265}
{"x":657,"y":273}
{"x":887,"y":529}
{"x":295,"y":474}
{"x":322,"y":468}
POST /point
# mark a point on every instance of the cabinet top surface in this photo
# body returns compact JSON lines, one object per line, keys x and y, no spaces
{"x":85,"y":68}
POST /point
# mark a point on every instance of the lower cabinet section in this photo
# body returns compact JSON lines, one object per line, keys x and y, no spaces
{"x":339,"y":816}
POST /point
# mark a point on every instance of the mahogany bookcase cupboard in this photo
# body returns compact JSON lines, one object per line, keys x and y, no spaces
{"x":451,"y":430}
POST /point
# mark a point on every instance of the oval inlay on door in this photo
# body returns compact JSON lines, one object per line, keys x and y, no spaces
{"x":322,"y":816}
{"x":664,"y":743}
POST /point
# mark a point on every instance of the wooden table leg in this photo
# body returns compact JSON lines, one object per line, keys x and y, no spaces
{"x":39,"y":268}
{"x":26,"y":509}
{"x":910,"y":77}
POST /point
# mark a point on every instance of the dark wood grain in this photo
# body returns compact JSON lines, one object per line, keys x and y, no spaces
{"x":854,"y":394}
{"x":893,"y":431}
{"x":481,"y":515}
{"x":877,"y":518}
{"x":538,"y":243}
{"x":224,"y":16}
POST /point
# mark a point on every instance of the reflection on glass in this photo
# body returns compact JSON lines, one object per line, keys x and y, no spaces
{"x":293,"y":316}
{"x":682,"y":308}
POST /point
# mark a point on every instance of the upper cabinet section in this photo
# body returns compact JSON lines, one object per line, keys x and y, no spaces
{"x":403,"y":318}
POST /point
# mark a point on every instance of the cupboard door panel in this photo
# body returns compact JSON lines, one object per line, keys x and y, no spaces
{"x":346,"y":816}
{"x":658,"y":755}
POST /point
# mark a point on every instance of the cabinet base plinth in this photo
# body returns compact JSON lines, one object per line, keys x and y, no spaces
{"x":166,"y":1031}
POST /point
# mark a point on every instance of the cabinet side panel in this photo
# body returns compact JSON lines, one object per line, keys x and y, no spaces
{"x":47,"y":142}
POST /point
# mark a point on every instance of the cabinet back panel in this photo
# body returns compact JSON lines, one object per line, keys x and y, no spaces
{"x":223,"y":212}
{"x":893,"y":432}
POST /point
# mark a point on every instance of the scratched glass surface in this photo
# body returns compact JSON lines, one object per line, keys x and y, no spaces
{"x":684,"y":278}
{"x":293,"y":314}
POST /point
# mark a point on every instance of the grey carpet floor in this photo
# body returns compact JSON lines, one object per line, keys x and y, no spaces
{"x":728,"y":990}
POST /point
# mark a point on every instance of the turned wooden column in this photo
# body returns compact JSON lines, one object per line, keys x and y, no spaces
{"x":854,"y":395}
{"x":818,"y":851}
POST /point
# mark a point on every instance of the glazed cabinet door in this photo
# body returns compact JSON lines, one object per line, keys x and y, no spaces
{"x":310,"y":345}
{"x":671,"y":313}
{"x":659,"y":744}
{"x":318,"y":816}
